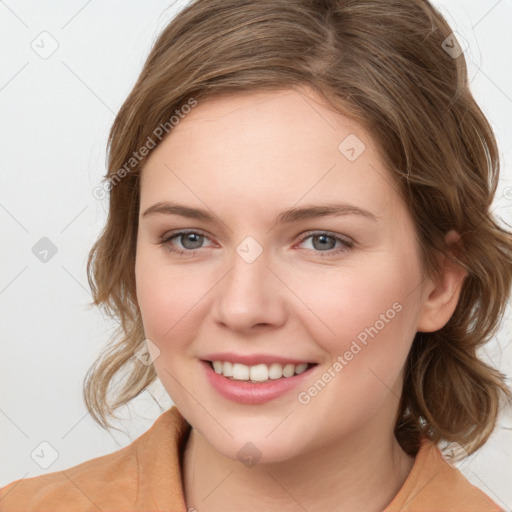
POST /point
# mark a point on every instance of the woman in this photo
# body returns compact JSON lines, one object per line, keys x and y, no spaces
{"x":305,"y":375}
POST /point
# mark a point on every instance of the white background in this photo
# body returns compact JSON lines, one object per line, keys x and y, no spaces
{"x":55,"y":116}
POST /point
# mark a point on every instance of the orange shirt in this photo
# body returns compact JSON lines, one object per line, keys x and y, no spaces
{"x":146,"y":476}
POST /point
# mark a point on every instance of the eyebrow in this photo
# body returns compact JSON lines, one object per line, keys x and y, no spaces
{"x":291,"y":215}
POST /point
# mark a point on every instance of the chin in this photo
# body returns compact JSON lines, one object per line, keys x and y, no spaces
{"x":251,"y":450}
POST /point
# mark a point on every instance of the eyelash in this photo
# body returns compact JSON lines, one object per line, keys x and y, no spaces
{"x":346,"y":244}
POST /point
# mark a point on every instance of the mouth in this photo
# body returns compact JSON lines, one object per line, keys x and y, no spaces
{"x":258,"y":373}
{"x":257,"y":383}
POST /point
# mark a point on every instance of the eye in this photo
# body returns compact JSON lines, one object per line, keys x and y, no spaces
{"x":190,"y":241}
{"x":322,"y":242}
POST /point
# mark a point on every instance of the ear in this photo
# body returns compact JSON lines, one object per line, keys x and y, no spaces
{"x":441,"y":297}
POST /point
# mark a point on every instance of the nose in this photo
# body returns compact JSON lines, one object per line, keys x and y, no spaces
{"x":250,"y":295}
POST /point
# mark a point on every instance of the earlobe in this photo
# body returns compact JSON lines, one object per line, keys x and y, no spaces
{"x":442,"y":296}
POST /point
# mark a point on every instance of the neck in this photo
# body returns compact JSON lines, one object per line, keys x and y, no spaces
{"x":362,"y":472}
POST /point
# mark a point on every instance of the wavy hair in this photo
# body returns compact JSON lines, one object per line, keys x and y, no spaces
{"x":393,"y":67}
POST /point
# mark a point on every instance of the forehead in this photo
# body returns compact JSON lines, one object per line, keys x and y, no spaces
{"x":274,"y":148}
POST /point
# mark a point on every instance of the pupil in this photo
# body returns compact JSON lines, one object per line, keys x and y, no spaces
{"x":323,"y":239}
{"x":189,"y":238}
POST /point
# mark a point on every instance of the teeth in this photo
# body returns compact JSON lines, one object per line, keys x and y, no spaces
{"x":275,"y":371}
{"x":301,"y":368}
{"x":240,"y":372}
{"x":289,"y":370}
{"x":227,"y":369}
{"x":259,"y":372}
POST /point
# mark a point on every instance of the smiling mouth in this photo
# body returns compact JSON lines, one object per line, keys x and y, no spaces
{"x":259,"y":373}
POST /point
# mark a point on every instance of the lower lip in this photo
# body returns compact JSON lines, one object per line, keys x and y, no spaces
{"x":252,"y":393}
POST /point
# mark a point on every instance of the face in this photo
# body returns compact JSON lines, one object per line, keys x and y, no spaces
{"x":332,"y":297}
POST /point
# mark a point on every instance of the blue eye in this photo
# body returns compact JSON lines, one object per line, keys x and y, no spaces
{"x":191,"y":241}
{"x":325,"y":240}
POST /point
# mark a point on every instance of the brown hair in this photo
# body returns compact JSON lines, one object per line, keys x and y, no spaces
{"x":387,"y":65}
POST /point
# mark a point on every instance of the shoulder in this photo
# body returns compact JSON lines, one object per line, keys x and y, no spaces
{"x":110,"y":482}
{"x":79,"y":486}
{"x":434,"y":484}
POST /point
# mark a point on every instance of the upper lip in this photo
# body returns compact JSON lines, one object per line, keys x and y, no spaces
{"x":252,"y":359}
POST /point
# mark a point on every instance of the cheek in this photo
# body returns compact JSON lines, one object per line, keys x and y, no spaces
{"x":373,"y":314}
{"x":166,"y":297}
{"x":374,"y":299}
{"x":170,"y":299}
{"x":371,"y":309}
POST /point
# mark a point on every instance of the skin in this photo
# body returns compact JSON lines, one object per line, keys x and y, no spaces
{"x":246,"y":158}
